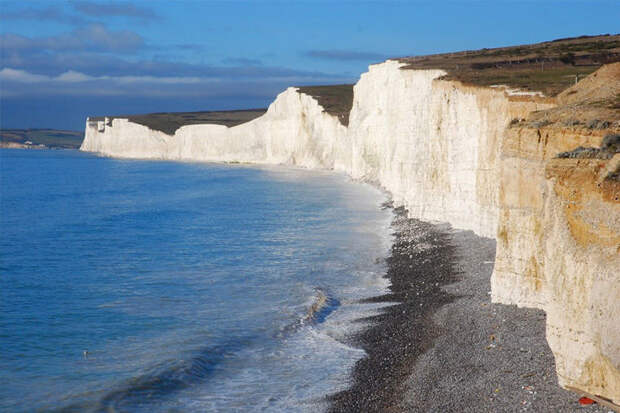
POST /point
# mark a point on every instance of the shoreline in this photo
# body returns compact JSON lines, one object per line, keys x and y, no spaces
{"x":444,"y":346}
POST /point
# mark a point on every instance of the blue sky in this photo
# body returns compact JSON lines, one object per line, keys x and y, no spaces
{"x":64,"y":60}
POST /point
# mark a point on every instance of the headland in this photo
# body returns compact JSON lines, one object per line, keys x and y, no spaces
{"x":517,"y":144}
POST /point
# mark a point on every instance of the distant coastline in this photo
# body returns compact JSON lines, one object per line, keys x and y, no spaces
{"x":40,"y":139}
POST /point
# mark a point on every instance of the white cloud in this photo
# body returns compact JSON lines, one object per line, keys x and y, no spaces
{"x":21,"y":83}
{"x":71,"y":76}
{"x":163,"y":80}
{"x":94,"y":37}
{"x":21,"y":76}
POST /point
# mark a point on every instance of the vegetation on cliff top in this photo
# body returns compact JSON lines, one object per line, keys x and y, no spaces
{"x":337,"y":100}
{"x":590,"y":106}
{"x":549,"y":67}
{"x":169,"y":122}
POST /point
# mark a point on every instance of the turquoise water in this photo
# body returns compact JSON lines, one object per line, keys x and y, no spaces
{"x":157,"y":286}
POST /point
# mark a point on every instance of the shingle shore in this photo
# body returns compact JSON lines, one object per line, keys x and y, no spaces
{"x":444,"y":347}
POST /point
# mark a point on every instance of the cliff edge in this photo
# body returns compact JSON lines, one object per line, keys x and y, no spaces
{"x":558,"y":240}
{"x":495,"y":160}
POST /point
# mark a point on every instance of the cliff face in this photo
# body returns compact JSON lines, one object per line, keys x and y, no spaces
{"x":294,"y":131}
{"x":581,"y":245}
{"x":443,"y":150}
{"x":558,"y":249}
{"x":433,"y":144}
{"x":519,"y":277}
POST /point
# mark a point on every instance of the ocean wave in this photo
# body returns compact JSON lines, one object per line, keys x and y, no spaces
{"x":149,"y":389}
{"x":323,"y":305}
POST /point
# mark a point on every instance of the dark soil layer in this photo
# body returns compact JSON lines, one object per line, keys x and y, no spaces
{"x":337,"y":100}
{"x":549,"y":67}
{"x":444,"y":347}
{"x":169,"y":122}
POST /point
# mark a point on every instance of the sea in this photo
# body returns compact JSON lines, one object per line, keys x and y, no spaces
{"x":155,"y":286}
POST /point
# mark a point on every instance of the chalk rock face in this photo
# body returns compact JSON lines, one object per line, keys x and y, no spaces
{"x":443,"y":150}
{"x":124,"y":139}
{"x":294,"y":131}
{"x":558,"y":243}
{"x":433,"y":144}
{"x":518,"y":276}
{"x":582,"y":273}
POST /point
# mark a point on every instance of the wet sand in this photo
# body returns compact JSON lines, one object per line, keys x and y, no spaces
{"x":444,"y":347}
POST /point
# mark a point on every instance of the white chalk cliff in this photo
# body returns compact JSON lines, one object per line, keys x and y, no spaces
{"x":439,"y":148}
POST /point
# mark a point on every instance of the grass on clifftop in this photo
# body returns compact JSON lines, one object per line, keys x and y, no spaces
{"x":49,"y":138}
{"x":549,"y":67}
{"x":169,"y":122}
{"x":337,"y":100}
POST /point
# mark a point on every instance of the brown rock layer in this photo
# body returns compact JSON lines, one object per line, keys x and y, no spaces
{"x":558,"y":244}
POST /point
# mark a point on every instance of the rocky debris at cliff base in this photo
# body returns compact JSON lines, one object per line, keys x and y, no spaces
{"x":445,"y":347}
{"x":420,"y":263}
{"x":489,"y":357}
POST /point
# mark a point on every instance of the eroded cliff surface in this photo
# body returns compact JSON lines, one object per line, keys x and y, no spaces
{"x":433,"y":144}
{"x":558,"y":246}
{"x":558,"y":239}
{"x":581,"y":243}
{"x":467,"y":155}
